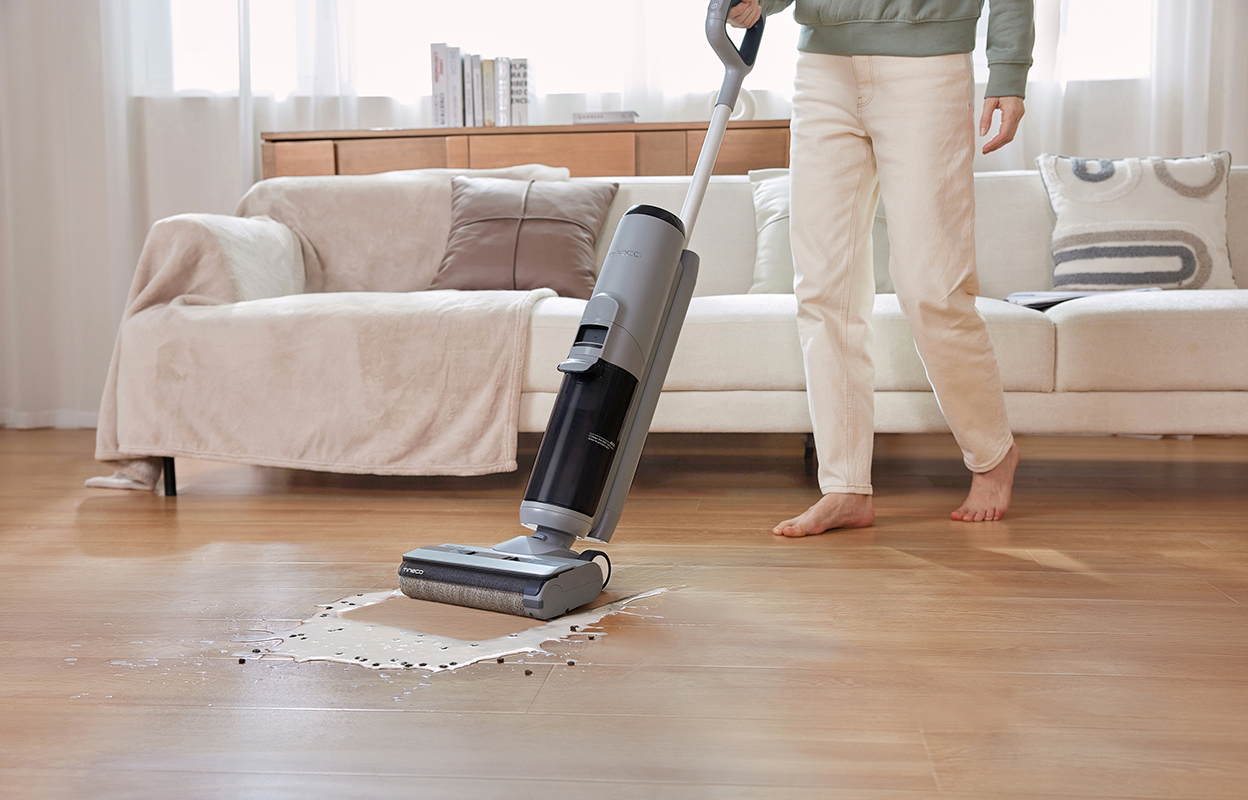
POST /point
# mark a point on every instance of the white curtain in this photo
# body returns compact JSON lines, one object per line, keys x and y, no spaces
{"x":115,"y":113}
{"x":66,"y":234}
{"x":1190,"y":95}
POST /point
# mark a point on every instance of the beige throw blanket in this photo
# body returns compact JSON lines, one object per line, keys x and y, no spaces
{"x":424,"y":383}
{"x":221,"y":356}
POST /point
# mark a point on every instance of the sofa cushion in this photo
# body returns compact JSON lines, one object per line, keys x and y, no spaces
{"x":371,"y":233}
{"x":773,"y":256}
{"x":1022,"y":338}
{"x":740,"y":342}
{"x":509,"y":234}
{"x":1139,"y":222}
{"x":723,"y":236}
{"x":1013,"y":233}
{"x":1153,"y":341}
{"x":759,"y":331}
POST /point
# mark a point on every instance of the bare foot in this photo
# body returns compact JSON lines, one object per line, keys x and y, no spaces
{"x":834,"y":510}
{"x":990,"y":492}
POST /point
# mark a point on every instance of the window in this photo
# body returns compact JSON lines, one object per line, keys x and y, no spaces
{"x":1085,"y":40}
{"x":380,"y":48}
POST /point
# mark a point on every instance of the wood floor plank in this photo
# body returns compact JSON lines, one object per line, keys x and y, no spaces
{"x":454,"y":745}
{"x":1091,"y":763}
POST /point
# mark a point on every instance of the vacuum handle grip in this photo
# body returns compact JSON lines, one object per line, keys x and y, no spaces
{"x":737,"y":61}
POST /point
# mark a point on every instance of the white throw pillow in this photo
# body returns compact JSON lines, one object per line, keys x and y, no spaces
{"x":773,"y":255}
{"x":1136,"y":222}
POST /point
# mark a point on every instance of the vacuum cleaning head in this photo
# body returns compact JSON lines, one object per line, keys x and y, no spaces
{"x":537,"y":586}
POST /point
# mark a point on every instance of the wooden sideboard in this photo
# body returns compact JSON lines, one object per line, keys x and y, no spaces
{"x":586,"y":150}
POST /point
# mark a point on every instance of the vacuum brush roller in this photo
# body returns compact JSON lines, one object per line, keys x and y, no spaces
{"x":537,"y":586}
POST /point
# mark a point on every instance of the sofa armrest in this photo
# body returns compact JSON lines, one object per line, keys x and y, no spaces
{"x":198,"y":259}
{"x":212,"y":258}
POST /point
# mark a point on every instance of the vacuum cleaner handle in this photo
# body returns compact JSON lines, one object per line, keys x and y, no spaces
{"x":737,"y":64}
{"x":737,"y":61}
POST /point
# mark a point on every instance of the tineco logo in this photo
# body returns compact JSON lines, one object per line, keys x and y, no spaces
{"x":601,"y":442}
{"x":413,"y":570}
{"x":629,"y":253}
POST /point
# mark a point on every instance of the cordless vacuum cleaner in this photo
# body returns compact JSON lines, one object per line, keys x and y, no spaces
{"x":612,"y":378}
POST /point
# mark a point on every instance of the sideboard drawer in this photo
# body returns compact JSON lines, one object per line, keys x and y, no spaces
{"x":366,"y":156}
{"x":743,"y":150}
{"x":584,"y":154}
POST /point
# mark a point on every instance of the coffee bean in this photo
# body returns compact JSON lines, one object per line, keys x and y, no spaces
{"x":528,"y":672}
{"x":571,"y":663}
{"x":500,"y":661}
{"x":242,"y":661}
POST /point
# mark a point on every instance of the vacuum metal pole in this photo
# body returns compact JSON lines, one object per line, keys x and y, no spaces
{"x":706,"y":163}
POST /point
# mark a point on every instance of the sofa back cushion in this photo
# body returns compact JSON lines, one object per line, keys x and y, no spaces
{"x":1237,"y":224}
{"x":371,"y":233}
{"x":723,"y":236}
{"x":1013,"y":233}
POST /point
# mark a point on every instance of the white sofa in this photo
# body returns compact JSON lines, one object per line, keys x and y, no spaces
{"x":1170,"y":362}
{"x":1149,"y":363}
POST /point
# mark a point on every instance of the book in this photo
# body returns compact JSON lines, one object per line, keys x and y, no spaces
{"x":470,"y":105}
{"x":488,"y":88}
{"x":603,"y":117}
{"x":519,"y":91}
{"x":502,"y":92}
{"x":478,"y":102}
{"x":455,"y":74}
{"x":441,"y":85}
{"x":1043,"y":300}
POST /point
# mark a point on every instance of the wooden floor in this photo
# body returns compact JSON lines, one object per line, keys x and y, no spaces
{"x":1092,"y":644}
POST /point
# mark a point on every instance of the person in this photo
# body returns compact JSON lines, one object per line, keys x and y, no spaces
{"x":883,"y":106}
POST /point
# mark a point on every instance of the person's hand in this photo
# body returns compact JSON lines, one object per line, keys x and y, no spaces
{"x":744,"y":14}
{"x":1011,"y":109}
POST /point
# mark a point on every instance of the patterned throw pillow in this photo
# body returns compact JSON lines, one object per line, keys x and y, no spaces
{"x":1136,"y":222}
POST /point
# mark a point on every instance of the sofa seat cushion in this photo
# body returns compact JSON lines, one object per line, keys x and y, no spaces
{"x":750,"y":342}
{"x":728,"y":342}
{"x":1153,"y":341}
{"x":1022,"y":338}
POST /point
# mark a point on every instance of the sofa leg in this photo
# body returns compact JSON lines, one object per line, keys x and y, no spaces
{"x":810,"y":446}
{"x":171,"y":478}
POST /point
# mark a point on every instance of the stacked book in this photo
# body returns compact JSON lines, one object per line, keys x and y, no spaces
{"x":474,"y":92}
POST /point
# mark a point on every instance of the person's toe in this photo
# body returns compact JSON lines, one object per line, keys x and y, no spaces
{"x":779,"y":529}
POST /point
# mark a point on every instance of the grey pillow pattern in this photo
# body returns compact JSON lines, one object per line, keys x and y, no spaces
{"x":1137,"y":222}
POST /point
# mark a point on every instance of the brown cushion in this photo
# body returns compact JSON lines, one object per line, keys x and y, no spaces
{"x":510,"y":234}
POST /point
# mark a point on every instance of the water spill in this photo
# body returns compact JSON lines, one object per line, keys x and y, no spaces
{"x":333,"y":635}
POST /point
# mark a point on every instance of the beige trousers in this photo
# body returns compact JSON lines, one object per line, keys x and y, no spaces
{"x":904,"y":128}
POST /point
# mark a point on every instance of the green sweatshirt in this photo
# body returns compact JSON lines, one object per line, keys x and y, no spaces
{"x":920,"y":28}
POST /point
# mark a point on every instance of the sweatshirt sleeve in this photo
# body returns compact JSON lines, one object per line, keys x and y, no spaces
{"x":774,"y":6}
{"x":1011,"y":35}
